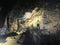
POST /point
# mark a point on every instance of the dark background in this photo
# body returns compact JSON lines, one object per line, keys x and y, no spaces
{"x":7,"y":5}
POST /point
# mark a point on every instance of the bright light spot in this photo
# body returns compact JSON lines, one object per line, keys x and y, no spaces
{"x":27,"y":15}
